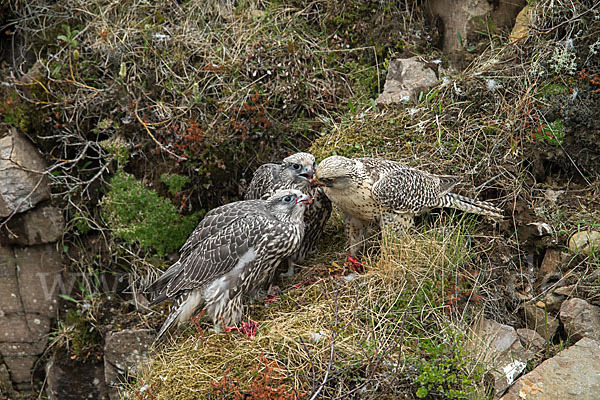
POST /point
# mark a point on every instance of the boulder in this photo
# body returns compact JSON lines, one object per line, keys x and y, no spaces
{"x":502,"y":350}
{"x":40,"y":275}
{"x":6,"y":386}
{"x":28,"y":302}
{"x":580,"y":319}
{"x":28,"y":328}
{"x":531,"y":340}
{"x":68,"y":379}
{"x":550,"y":262}
{"x":10,"y":298}
{"x":20,"y":368}
{"x":463,"y":19}
{"x":519,"y":33}
{"x":22,"y":182}
{"x":541,"y":321}
{"x":43,"y":224}
{"x":406,"y":78}
{"x":124,"y":351}
{"x":586,"y":242}
{"x":573,"y":374}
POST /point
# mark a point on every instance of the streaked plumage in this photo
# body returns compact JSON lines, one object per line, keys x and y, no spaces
{"x":388,"y":193}
{"x":295,"y":172}
{"x":232,"y":252}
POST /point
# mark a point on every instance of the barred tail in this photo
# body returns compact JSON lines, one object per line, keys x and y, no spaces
{"x":467,"y":204}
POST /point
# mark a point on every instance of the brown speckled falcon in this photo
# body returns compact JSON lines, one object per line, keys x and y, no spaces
{"x":295,"y":172}
{"x":388,"y":193}
{"x":232,"y":253}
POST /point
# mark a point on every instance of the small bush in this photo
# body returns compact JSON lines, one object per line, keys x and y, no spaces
{"x":139,"y":215}
{"x":446,"y":369}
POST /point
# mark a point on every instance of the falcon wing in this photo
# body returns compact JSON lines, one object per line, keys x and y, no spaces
{"x":218,"y":219}
{"x":411,"y":190}
{"x":219,"y":253}
{"x":264,"y":182}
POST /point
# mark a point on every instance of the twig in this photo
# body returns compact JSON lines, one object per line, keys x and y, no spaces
{"x":152,"y":136}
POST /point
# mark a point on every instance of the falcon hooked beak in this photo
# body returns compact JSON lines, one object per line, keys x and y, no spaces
{"x":308,"y":173}
{"x":304,"y":199}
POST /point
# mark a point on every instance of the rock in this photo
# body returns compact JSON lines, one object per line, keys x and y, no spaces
{"x":580,"y":319}
{"x":6,"y":386}
{"x":521,"y":29}
{"x":462,"y":18}
{"x":29,"y":328}
{"x":585,"y":242}
{"x":542,"y":322}
{"x":68,"y":379}
{"x":406,"y":78}
{"x":20,"y":368}
{"x":566,"y":290}
{"x":10,"y":298}
{"x":573,"y":374}
{"x":22,"y":183}
{"x":551,"y":280}
{"x":39,"y":274}
{"x":23,"y":349}
{"x":502,"y":351}
{"x":41,"y":225}
{"x":124,"y":351}
{"x":27,"y":304}
{"x":550,"y":262}
{"x":553,"y":301}
{"x":531,"y":340}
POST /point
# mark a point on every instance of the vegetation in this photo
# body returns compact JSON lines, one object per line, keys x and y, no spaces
{"x":139,"y":215}
{"x":152,"y":112}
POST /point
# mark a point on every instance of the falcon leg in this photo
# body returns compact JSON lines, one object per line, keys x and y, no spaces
{"x":397,"y":222}
{"x":356,"y":230}
{"x":290,"y":270}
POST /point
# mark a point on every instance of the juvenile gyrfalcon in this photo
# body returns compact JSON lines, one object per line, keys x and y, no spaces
{"x":374,"y":190}
{"x":295,"y":172}
{"x":232,"y":253}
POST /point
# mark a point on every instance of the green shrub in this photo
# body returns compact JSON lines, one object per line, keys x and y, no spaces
{"x":139,"y":215}
{"x":174,"y":182}
{"x":447,"y":369}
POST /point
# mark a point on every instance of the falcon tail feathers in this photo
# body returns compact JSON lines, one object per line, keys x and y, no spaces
{"x":176,"y":308}
{"x":173,"y":316}
{"x":159,"y":286}
{"x":467,"y":204}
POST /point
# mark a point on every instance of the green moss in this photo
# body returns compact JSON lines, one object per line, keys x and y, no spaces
{"x":78,"y":334}
{"x":16,"y":114}
{"x":374,"y":134}
{"x":554,"y":89}
{"x":139,"y":215}
{"x":116,"y":146}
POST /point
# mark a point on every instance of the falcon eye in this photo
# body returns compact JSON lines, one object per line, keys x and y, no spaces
{"x":296,"y":166}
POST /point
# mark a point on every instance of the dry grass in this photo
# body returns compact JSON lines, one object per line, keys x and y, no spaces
{"x":342,"y":334}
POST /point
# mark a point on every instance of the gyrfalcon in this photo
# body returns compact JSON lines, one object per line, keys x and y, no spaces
{"x":294,"y":172}
{"x":388,"y":193}
{"x":232,"y":253}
